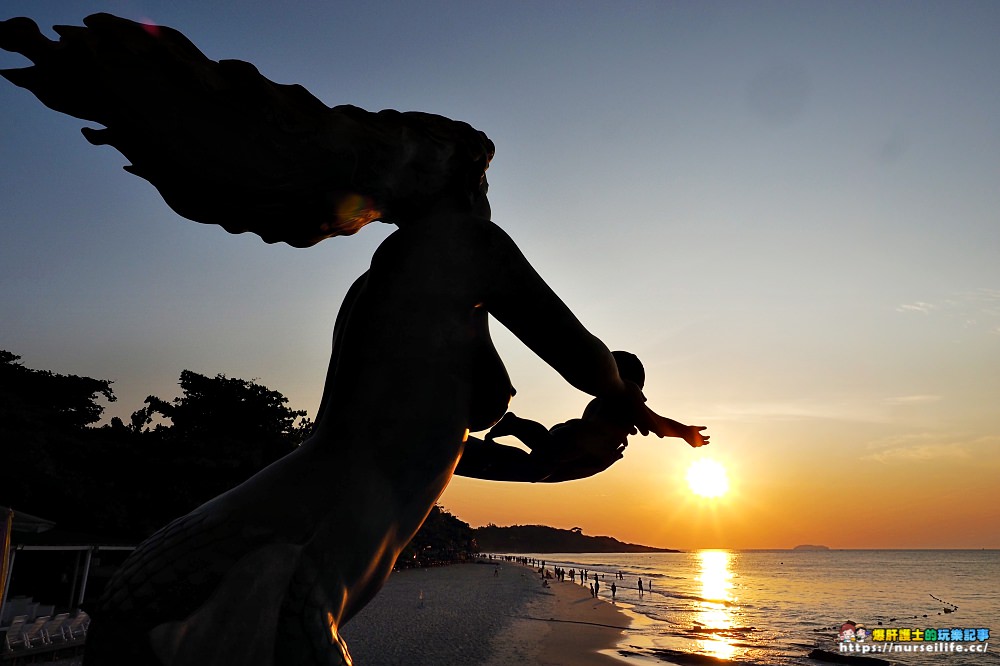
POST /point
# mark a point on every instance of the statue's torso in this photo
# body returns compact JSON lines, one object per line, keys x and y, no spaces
{"x":415,"y":369}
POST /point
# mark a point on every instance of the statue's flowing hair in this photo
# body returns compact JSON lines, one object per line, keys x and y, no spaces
{"x":225,"y":145}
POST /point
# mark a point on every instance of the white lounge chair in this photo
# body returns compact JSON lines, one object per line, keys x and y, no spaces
{"x":14,"y":636}
{"x":77,"y":627}
{"x":33,"y":633}
{"x":52,"y":631}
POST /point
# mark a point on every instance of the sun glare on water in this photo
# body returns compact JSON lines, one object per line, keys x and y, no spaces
{"x":707,"y":478}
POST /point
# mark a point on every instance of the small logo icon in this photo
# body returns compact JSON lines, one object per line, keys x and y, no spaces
{"x":852,"y":632}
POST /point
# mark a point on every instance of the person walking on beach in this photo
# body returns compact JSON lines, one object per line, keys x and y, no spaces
{"x":614,"y":588}
{"x":597,"y":585}
{"x":640,"y":587}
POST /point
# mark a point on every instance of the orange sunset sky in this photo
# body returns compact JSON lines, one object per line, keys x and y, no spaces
{"x":788,"y":211}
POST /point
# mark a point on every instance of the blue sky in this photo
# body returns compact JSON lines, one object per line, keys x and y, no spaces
{"x":789,"y":211}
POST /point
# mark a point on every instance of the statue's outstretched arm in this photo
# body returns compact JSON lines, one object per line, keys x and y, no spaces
{"x":521,"y":300}
{"x":531,"y":433}
{"x":491,"y":461}
{"x":667,"y":427}
{"x":498,"y":462}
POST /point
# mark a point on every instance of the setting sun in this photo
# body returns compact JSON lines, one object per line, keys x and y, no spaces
{"x":707,"y":478}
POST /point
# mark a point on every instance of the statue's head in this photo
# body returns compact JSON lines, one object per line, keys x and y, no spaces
{"x":434,"y":158}
{"x":390,"y":166}
{"x":394,"y":166}
{"x":630,"y":367}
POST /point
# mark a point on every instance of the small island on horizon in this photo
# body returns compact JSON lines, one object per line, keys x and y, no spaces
{"x":807,"y":546}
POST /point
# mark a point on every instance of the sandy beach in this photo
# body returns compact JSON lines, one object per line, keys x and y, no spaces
{"x":464,"y":615}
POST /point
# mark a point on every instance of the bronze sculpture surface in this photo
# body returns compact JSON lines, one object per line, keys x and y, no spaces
{"x":268,"y":572}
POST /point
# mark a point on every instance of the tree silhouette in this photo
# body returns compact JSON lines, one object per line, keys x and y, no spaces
{"x":229,"y":413}
{"x":39,"y":397}
{"x":221,"y":431}
{"x":131,"y":479}
{"x":45,"y":441}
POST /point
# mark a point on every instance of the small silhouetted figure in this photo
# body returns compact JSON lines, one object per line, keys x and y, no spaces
{"x":592,"y":593}
{"x":614,"y":588}
{"x":640,"y":587}
{"x":597,"y":585}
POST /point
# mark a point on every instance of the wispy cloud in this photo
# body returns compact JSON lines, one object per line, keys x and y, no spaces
{"x":850,"y":408}
{"x":919,"y":306}
{"x":928,"y":446}
{"x":973,"y":308}
{"x":919,"y":453}
{"x":854,"y":411}
{"x":913,"y":399}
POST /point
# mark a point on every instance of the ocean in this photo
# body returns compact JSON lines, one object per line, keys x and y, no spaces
{"x":775,"y":607}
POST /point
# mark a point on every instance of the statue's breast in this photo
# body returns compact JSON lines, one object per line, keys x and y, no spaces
{"x":491,"y":385}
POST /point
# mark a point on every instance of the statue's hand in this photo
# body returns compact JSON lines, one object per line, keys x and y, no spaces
{"x":695,"y":437}
{"x":647,"y":421}
{"x":665,"y":427}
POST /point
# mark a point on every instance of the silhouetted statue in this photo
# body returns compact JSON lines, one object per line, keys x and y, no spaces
{"x":268,"y":572}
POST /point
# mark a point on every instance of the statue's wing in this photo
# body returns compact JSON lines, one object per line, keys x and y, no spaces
{"x":222,"y":143}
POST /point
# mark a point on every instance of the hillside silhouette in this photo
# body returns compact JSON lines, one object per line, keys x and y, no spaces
{"x":543,"y":539}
